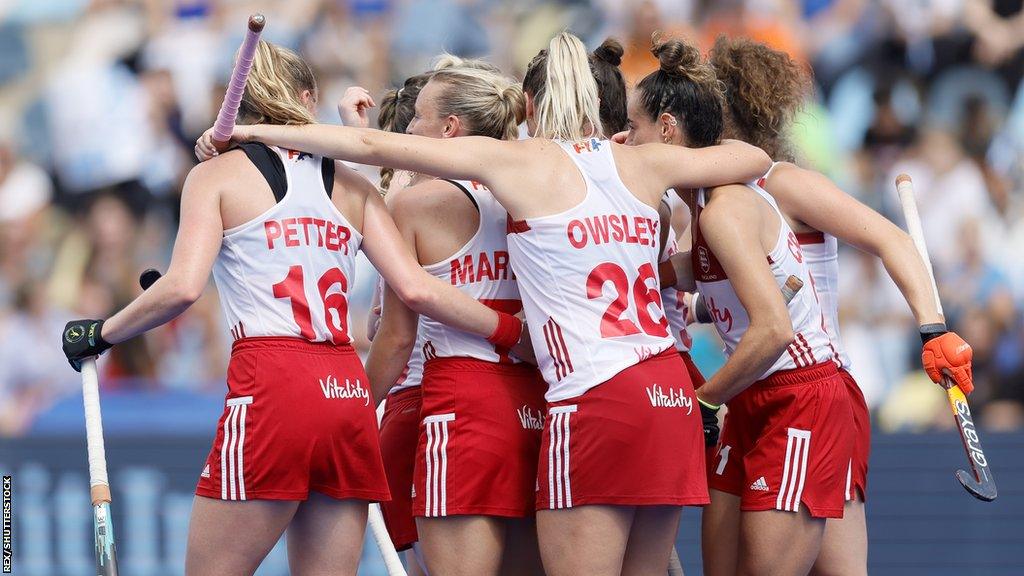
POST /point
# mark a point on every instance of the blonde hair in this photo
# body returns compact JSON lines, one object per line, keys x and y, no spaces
{"x":569,"y":103}
{"x":488,"y":103}
{"x":446,"y":61}
{"x":272,"y":92}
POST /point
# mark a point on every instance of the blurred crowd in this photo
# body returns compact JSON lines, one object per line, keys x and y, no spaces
{"x":101,"y":101}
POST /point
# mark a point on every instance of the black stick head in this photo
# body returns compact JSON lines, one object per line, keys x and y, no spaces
{"x":148,"y":277}
{"x":984,"y":490}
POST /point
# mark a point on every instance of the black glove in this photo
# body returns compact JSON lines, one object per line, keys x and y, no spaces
{"x":709,"y":416}
{"x":82,"y":340}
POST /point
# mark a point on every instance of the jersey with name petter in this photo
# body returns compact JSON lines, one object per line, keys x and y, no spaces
{"x":588,"y":277}
{"x":288,"y":271}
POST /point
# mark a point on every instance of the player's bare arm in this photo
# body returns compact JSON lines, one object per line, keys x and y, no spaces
{"x":396,"y":335}
{"x":196,"y":247}
{"x":830,"y":210}
{"x":495,"y":163}
{"x":734,"y":228}
{"x":731,"y":162}
{"x":386,"y":249}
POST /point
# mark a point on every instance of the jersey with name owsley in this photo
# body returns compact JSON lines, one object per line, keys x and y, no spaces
{"x":588,"y":277}
{"x":288,"y":271}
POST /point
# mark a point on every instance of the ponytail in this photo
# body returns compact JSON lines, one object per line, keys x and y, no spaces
{"x":567,"y":107}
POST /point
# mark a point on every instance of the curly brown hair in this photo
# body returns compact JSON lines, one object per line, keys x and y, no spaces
{"x":764,"y":89}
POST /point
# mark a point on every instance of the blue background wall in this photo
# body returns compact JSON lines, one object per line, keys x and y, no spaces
{"x":921,"y":521}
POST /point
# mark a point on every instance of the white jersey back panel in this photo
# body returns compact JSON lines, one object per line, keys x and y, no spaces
{"x":672,"y":300}
{"x":288,"y":271}
{"x":481,"y":270}
{"x":810,"y":343}
{"x":589,"y":281}
{"x":821,"y":253}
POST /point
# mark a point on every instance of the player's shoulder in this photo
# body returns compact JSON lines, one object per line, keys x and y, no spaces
{"x":435,"y":194}
{"x":224,"y":170}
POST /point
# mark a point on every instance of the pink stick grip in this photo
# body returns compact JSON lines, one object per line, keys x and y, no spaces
{"x":225,"y":124}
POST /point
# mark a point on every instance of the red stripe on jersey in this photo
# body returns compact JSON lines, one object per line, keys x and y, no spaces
{"x":516,"y":226}
{"x":565,"y":349}
{"x":796,"y":359}
{"x":548,"y":339}
{"x":810,"y":238}
{"x":808,"y":352}
{"x":241,"y":329}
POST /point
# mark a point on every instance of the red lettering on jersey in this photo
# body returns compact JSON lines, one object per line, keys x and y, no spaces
{"x":344,"y":234}
{"x":306,"y":221}
{"x":320,"y":225}
{"x":273,"y":230}
{"x":616,"y":225}
{"x":492,"y":266}
{"x":722,"y":316}
{"x":630,"y":238}
{"x":501,"y":265}
{"x":484,"y":271}
{"x":582,"y":241}
{"x":477,"y":186}
{"x":598,"y":229}
{"x":290,"y":232}
{"x":462,"y":271}
{"x":329,"y":235}
{"x":613,"y":228}
{"x":515,"y":226}
{"x":331,"y":241}
{"x":794,"y":248}
{"x":641,"y":230}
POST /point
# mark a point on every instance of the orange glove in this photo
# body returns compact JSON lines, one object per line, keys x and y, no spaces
{"x":947,"y":353}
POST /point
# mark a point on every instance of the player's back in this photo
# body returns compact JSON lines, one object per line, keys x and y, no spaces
{"x":287,"y":270}
{"x":588,"y":279}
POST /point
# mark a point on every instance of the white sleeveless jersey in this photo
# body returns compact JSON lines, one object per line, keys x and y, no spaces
{"x":810,"y":344}
{"x":288,"y":271}
{"x":481,"y":270}
{"x":589,"y":279}
{"x":675,"y":305}
{"x":821,"y":253}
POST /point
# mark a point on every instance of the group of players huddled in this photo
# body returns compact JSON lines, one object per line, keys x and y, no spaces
{"x":543,"y":414}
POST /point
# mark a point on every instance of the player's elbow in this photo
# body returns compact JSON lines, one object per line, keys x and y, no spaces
{"x":416,"y":296}
{"x":183,"y":294}
{"x":776,"y":335}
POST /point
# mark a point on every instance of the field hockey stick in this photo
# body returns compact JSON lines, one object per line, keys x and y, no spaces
{"x":702,"y":315}
{"x":99,"y":487}
{"x":980,"y":484}
{"x":375,"y":518}
{"x":225,"y":123}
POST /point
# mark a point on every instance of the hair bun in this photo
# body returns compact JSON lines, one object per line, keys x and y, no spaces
{"x":677,"y":58}
{"x":610,"y":51}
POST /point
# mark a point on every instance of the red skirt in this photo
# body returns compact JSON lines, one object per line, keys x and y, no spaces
{"x":298,"y":416}
{"x":636,"y":439}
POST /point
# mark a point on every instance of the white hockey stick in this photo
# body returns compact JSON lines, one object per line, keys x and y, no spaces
{"x":392,"y":562}
{"x":99,"y":487}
